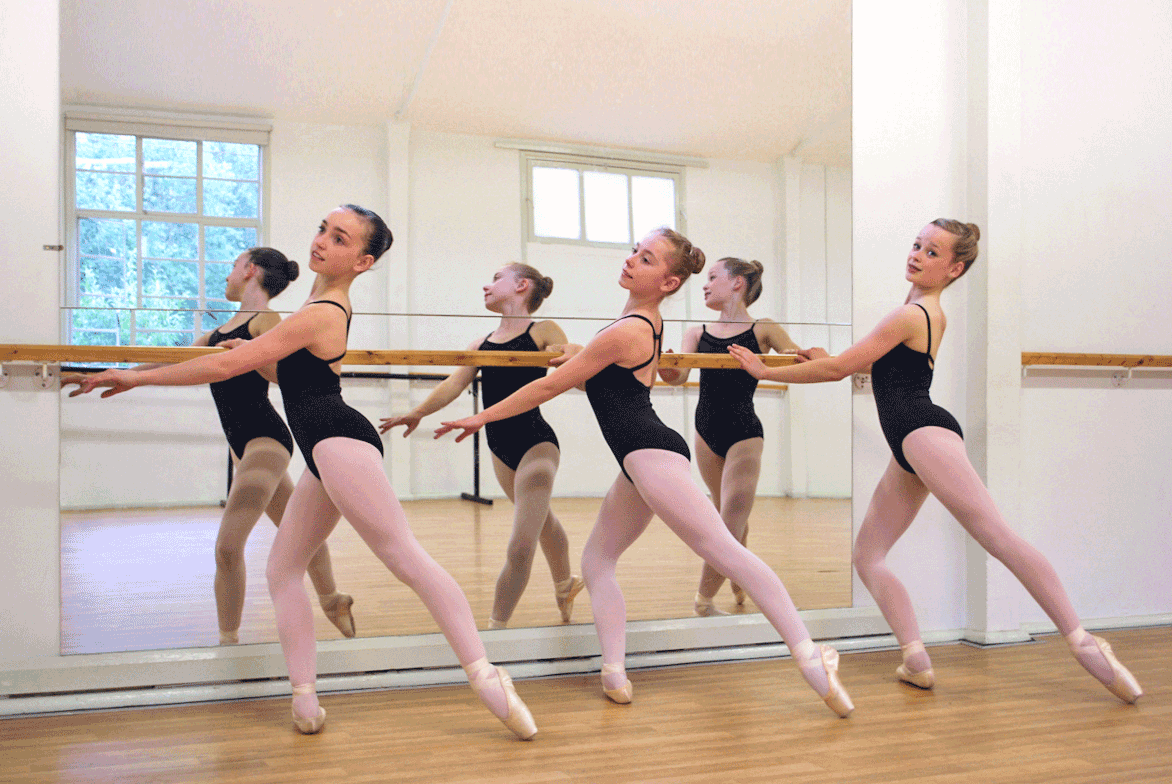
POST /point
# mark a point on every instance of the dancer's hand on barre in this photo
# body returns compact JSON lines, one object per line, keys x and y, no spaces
{"x":670,"y":375}
{"x":232,"y":343}
{"x":568,"y":351}
{"x":411,"y":420}
{"x":806,"y":354}
{"x":751,"y":363}
{"x":117,"y":380}
{"x":468,"y":424}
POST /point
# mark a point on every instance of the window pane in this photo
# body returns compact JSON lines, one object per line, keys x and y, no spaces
{"x":105,"y":191}
{"x":170,"y":278}
{"x":231,"y":161}
{"x":218,"y":313}
{"x":105,"y":152}
{"x":107,"y":262}
{"x":168,"y":194}
{"x":153,"y":338}
{"x":231,"y":199}
{"x":216,"y":280}
{"x":170,"y":240}
{"x":556,"y":211}
{"x":173,"y":317}
{"x":606,"y":207}
{"x":100,"y":327}
{"x":653,"y":204}
{"x":225,"y":243}
{"x":168,"y":156}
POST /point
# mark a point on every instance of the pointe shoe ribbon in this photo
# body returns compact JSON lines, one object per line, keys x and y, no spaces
{"x":622,"y":695}
{"x":337,"y":606}
{"x":565,"y":591}
{"x":312,"y":725}
{"x":924,"y":679}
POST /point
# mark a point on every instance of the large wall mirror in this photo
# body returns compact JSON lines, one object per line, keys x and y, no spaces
{"x":416,"y":109}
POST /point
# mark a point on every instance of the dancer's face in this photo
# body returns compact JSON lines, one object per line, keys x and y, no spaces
{"x":648,"y":269}
{"x":339,"y":247}
{"x":720,"y":288}
{"x":931,"y":262}
{"x":238,"y":278}
{"x":504,"y":287}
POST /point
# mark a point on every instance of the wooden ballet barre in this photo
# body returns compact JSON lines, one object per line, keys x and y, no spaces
{"x":1035,"y":358}
{"x":57,"y":353}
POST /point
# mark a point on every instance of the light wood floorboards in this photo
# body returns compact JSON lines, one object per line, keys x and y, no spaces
{"x":1007,"y":715}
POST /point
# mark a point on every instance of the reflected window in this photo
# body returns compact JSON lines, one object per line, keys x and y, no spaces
{"x":155,"y":221}
{"x":587,"y":202}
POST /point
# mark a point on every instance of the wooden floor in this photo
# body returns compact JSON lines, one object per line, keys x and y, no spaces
{"x":142,"y":579}
{"x":1005,"y":715}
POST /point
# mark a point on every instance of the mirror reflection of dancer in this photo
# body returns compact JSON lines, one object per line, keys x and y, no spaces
{"x":929,"y":457}
{"x":616,"y":368}
{"x":729,"y":436}
{"x":524,"y":448}
{"x":260,"y":443}
{"x":344,"y":469}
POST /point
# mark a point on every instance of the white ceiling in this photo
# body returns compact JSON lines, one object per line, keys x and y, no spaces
{"x":739,"y":79}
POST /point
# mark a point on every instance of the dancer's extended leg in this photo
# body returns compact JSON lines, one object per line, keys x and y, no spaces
{"x":894,"y":504}
{"x":256,"y":477}
{"x":623,"y":516}
{"x":529,"y":488}
{"x":736,"y":479}
{"x":940,"y":460}
{"x":352,"y":474}
{"x":309,"y":518}
{"x":663,"y":480}
{"x":335,"y":604}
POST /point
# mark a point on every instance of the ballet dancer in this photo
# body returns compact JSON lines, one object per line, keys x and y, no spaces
{"x":260,"y":445}
{"x":729,"y":436}
{"x":616,"y":368}
{"x":928,"y":456}
{"x":344,"y":470}
{"x":524,"y":448}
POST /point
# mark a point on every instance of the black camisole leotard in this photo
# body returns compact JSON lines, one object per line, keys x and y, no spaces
{"x":900,"y":380}
{"x":724,"y":412}
{"x":313,"y":401}
{"x":509,"y":439}
{"x":243,"y":403}
{"x":622,"y":406}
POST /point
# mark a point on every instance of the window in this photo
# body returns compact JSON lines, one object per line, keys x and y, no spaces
{"x":587,"y":201}
{"x":156,"y":216}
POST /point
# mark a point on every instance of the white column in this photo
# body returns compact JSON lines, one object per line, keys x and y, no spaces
{"x":30,"y":151}
{"x":399,"y":257}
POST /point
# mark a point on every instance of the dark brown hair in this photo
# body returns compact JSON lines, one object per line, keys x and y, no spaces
{"x":279,"y":272}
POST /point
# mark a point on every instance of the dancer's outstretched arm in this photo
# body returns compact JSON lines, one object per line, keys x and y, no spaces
{"x":617,"y":343}
{"x":300,"y":330}
{"x":897,"y":327}
{"x":448,"y":390}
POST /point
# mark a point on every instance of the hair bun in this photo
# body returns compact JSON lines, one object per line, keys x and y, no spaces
{"x":292,"y":270}
{"x":976,"y":230}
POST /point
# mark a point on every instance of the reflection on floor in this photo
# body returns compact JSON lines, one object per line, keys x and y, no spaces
{"x":142,"y":579}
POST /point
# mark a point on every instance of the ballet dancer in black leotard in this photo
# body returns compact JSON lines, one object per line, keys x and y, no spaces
{"x":524,"y":448}
{"x":928,"y":456}
{"x":617,"y":368}
{"x":260,"y":444}
{"x":344,"y":473}
{"x":729,"y":436}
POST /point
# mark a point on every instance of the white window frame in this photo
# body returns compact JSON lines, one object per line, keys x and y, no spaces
{"x":155,"y":125}
{"x":585,"y":163}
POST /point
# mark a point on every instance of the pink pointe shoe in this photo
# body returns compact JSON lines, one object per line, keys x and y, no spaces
{"x":809,"y":655}
{"x":519,"y":720}
{"x":313,"y":725}
{"x":1123,"y":684}
{"x":337,"y":606}
{"x":624,"y":693}
{"x":565,"y":591}
{"x":924,"y":679}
